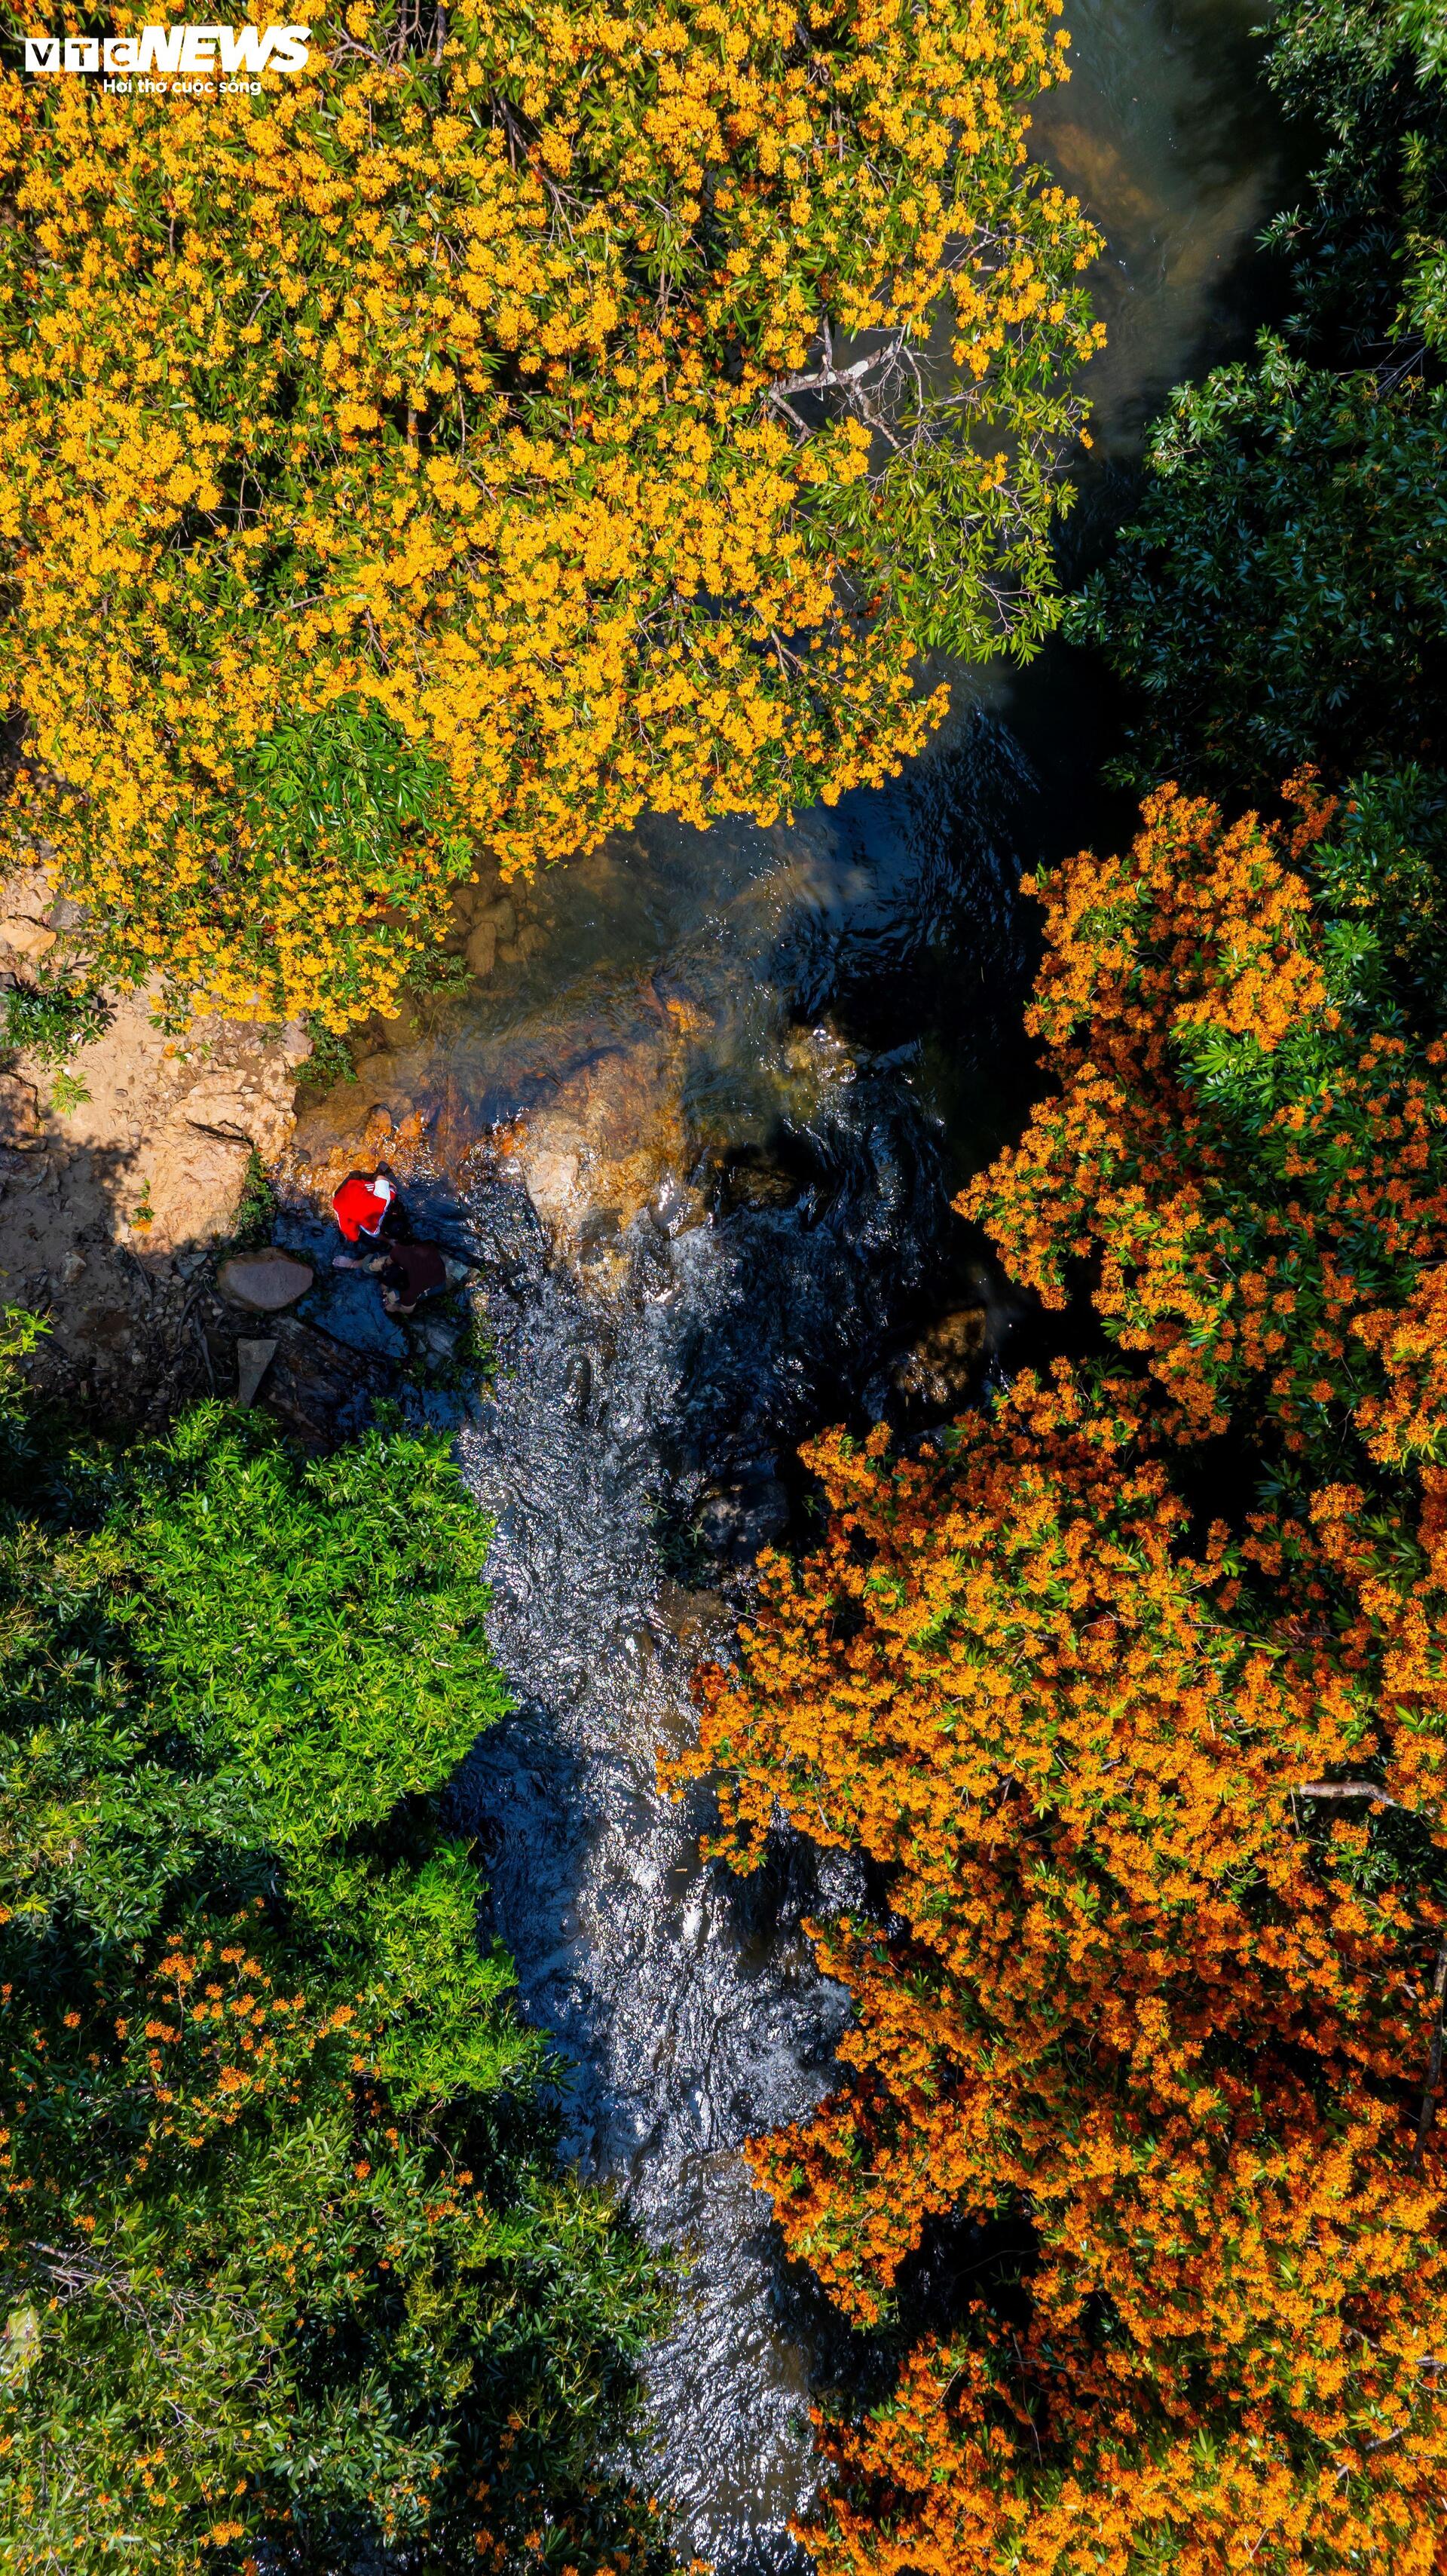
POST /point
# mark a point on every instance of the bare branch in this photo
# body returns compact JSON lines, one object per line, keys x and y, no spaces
{"x":1434,"y":2061}
{"x":832,"y":379}
{"x":1349,"y":1789}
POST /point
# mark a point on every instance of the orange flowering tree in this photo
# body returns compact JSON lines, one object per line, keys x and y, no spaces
{"x":470,"y":441}
{"x":1153,"y":1759}
{"x":1244,"y":1147}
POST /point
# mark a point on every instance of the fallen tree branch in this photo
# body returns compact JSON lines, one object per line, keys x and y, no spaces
{"x":1349,"y":1789}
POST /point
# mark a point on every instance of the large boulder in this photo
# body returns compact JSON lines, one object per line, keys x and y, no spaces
{"x":190,"y":1183}
{"x":26,"y":938}
{"x":264,"y":1282}
{"x":610,"y":1142}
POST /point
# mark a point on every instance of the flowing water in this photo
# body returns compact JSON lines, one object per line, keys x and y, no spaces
{"x":850,"y":988}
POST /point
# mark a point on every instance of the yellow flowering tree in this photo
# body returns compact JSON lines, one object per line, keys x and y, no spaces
{"x":515,"y":419}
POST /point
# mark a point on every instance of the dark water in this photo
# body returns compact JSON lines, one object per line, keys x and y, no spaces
{"x":853,"y":984}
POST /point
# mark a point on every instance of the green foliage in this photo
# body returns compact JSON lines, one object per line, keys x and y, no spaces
{"x":330,"y":1059}
{"x":1346,"y":45}
{"x":283,"y":1606}
{"x":347,"y":778}
{"x":256,"y":1206}
{"x":19,"y":1335}
{"x":53,"y":1016}
{"x":1371,"y":247}
{"x":288,"y":2271}
{"x":1282,"y":592}
{"x":1281,"y":595}
{"x":1381,"y":877}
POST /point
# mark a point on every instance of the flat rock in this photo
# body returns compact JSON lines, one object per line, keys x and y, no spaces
{"x":26,"y":938}
{"x":264,"y":1281}
{"x":253,"y":1359}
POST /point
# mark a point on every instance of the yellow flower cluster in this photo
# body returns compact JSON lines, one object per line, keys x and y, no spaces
{"x":406,"y":461}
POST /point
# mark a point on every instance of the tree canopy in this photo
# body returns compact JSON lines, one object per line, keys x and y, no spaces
{"x":1280,"y":592}
{"x":1131,"y":1686}
{"x":1152,"y":1756}
{"x":287,"y":2268}
{"x":476,"y":438}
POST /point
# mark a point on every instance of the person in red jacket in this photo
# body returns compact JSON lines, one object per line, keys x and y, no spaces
{"x":365,"y":1208}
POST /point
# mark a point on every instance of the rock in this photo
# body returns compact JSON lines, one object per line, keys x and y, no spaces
{"x":149,"y":1160}
{"x":253,"y":1359}
{"x":230,"y":1106}
{"x":941,"y":1367}
{"x":604,"y":1147}
{"x":26,"y":938}
{"x":440,"y":1339}
{"x":19,"y":1111}
{"x":264,"y":1281}
{"x":751,"y":1179}
{"x":104,"y":1326}
{"x":674,"y":1205}
{"x":481,"y":949}
{"x":194,"y":1182}
{"x":749,"y":1512}
{"x":322,"y":1390}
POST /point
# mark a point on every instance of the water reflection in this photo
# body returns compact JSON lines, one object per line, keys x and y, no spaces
{"x":1167,"y":136}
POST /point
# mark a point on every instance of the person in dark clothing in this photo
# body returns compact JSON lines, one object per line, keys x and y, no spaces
{"x":409,"y":1272}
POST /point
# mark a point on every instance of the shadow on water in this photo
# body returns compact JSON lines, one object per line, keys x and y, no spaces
{"x":852,"y":986}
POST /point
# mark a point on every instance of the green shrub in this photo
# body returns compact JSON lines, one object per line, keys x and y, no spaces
{"x":256,"y":1207}
{"x":1281,"y":593}
{"x":330,"y":1059}
{"x":53,"y":1016}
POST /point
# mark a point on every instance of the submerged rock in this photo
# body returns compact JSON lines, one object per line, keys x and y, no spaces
{"x":943,"y":1365}
{"x":610,"y":1143}
{"x":748,"y":1513}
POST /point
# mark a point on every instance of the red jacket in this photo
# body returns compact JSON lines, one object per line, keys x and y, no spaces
{"x":361,"y":1203}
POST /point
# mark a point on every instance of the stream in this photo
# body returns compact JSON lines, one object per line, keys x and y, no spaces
{"x":845,"y":995}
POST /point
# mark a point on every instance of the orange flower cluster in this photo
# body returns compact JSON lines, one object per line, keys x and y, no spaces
{"x":1138,"y":1986}
{"x":1159,"y":1800}
{"x":1255,"y":1174}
